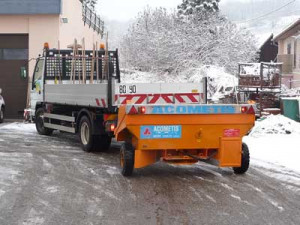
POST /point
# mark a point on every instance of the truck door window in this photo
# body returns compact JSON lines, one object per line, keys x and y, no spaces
{"x":38,"y":74}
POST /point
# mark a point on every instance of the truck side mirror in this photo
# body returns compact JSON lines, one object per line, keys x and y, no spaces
{"x":0,"y":91}
{"x":23,"y":73}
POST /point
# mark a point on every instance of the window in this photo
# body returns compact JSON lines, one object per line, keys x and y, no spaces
{"x":295,"y":53}
{"x":38,"y":74}
{"x":13,"y":54}
{"x":289,"y":49}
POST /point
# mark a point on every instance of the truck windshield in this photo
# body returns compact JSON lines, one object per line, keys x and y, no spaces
{"x":38,"y":72}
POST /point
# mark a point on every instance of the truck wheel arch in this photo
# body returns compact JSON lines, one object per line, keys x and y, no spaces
{"x":83,"y":112}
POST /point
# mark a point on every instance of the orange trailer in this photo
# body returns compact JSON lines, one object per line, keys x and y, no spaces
{"x":184,"y":134}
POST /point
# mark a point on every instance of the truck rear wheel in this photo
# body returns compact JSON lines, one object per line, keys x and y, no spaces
{"x":39,"y":123}
{"x":127,"y":159}
{"x":245,"y":161}
{"x":85,"y":134}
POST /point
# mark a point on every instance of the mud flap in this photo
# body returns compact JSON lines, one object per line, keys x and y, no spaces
{"x":145,"y":158}
{"x":230,"y":153}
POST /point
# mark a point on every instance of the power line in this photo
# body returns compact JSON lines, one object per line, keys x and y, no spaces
{"x":267,"y":14}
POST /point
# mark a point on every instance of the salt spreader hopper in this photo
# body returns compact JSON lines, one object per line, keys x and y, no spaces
{"x":184,"y":134}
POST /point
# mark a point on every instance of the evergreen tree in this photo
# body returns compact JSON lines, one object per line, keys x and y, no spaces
{"x":189,"y":7}
{"x":91,"y":3}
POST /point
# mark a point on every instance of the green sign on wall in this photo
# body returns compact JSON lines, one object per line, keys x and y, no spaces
{"x":23,"y":73}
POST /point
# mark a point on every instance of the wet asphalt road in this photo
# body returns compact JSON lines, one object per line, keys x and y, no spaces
{"x":50,"y":180}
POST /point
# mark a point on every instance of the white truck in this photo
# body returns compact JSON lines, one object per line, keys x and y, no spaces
{"x":80,"y":92}
{"x":2,"y":107}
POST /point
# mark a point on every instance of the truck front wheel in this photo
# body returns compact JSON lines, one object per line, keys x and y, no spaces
{"x":127,"y":159}
{"x":245,"y":161}
{"x":39,"y":123}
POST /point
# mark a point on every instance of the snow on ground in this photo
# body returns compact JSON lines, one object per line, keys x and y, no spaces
{"x":218,"y":77}
{"x":273,"y":125}
{"x":193,"y":75}
{"x":30,"y":127}
{"x":274,"y":144}
{"x":286,"y":92}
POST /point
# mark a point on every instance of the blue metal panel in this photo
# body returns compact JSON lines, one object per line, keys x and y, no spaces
{"x":29,"y":7}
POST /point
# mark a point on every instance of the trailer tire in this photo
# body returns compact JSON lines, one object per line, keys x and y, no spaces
{"x":245,"y":161}
{"x":39,"y":123}
{"x":85,"y":134}
{"x":127,"y":159}
{"x":102,"y":143}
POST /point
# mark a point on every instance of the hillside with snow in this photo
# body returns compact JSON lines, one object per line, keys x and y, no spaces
{"x":262,"y":17}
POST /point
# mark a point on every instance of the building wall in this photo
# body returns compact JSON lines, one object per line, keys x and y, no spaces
{"x":51,"y":29}
{"x":44,"y":27}
{"x":27,"y":7}
{"x":41,"y":28}
{"x":75,"y":28}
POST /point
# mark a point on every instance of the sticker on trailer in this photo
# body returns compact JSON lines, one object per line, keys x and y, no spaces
{"x":232,"y":133}
{"x":161,"y":132}
{"x":206,"y":109}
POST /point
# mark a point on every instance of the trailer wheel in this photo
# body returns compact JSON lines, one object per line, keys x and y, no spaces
{"x":245,"y":161}
{"x":102,"y":143}
{"x":85,"y":134}
{"x":127,"y":159}
{"x":39,"y":123}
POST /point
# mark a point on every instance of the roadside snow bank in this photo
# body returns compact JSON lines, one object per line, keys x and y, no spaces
{"x":275,"y":124}
{"x":275,"y":152}
{"x":274,"y":144}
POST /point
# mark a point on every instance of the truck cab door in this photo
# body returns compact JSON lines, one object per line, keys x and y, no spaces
{"x":37,"y":90}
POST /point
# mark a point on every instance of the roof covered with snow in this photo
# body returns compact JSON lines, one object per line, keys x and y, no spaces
{"x":289,"y":31}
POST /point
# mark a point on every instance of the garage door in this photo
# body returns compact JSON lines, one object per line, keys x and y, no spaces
{"x":13,"y":56}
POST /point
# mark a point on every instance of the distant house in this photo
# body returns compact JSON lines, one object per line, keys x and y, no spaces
{"x":289,"y":54}
{"x":268,"y":50}
{"x":24,"y":28}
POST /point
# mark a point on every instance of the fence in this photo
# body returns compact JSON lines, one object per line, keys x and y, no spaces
{"x":92,"y":20}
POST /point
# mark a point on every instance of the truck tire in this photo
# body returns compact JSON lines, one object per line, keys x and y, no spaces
{"x":2,"y":115}
{"x":102,"y":143}
{"x":39,"y":123}
{"x":85,"y":134}
{"x":127,"y":159}
{"x":245,"y":161}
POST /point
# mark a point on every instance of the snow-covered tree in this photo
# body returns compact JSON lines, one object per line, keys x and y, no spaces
{"x":163,"y":42}
{"x":188,"y":7}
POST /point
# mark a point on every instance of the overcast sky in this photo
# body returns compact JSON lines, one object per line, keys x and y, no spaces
{"x":124,"y":10}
